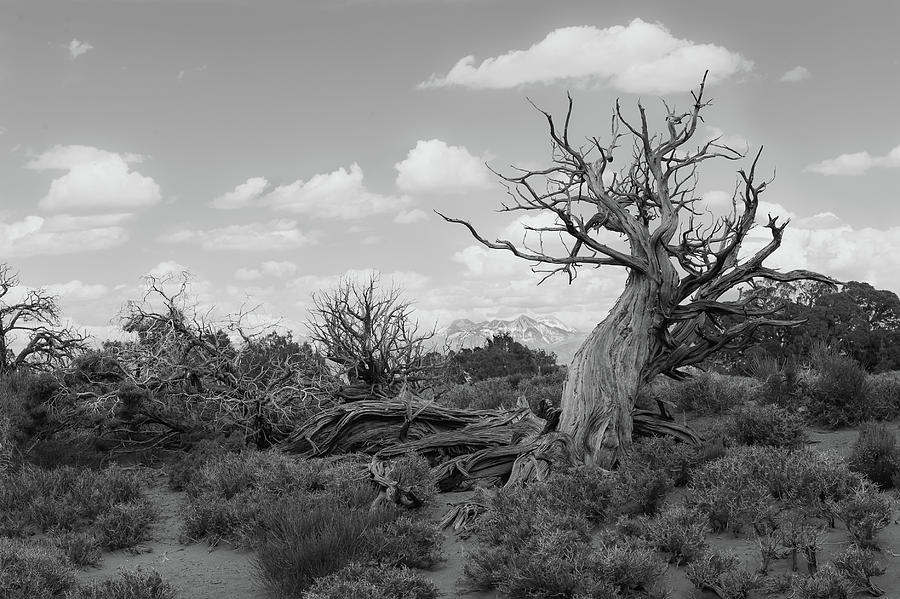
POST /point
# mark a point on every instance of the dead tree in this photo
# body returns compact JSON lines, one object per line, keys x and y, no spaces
{"x":188,"y":373}
{"x":369,"y":331}
{"x":682,"y":267}
{"x":30,"y":330}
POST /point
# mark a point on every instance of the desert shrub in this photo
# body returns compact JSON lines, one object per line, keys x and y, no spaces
{"x":767,"y":425}
{"x":81,"y":548}
{"x":546,"y":387}
{"x":858,"y":565}
{"x":37,"y":500}
{"x":228,"y":493}
{"x":127,"y":585}
{"x":23,"y":399}
{"x":356,"y":581}
{"x":638,"y":489}
{"x":304,"y":538}
{"x":413,"y":473}
{"x":488,"y":394}
{"x":752,"y":484}
{"x":561,"y":563}
{"x":721,"y":571}
{"x":584,"y":490}
{"x":884,"y":395}
{"x":182,"y":470}
{"x":680,"y":533}
{"x":678,"y":460}
{"x":709,"y":392}
{"x":30,"y":571}
{"x":780,"y":380}
{"x":410,"y":542}
{"x":125,"y":524}
{"x":839,"y":395}
{"x":865,"y":512}
{"x":827,"y":583}
{"x":875,"y":454}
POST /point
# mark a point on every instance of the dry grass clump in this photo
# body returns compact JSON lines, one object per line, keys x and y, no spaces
{"x":767,"y":425}
{"x":31,"y":571}
{"x":706,"y":392}
{"x":356,"y":581}
{"x":875,"y":454}
{"x":127,"y":585}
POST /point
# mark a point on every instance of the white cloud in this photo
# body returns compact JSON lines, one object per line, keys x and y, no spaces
{"x":340,"y":194}
{"x":638,"y":58}
{"x":95,"y":179}
{"x":77,"y":290}
{"x":408,"y":217}
{"x":433,"y":166}
{"x":247,"y":274}
{"x":76,"y":48}
{"x":279,"y":269}
{"x":243,"y":195}
{"x":272,"y":235}
{"x":857,"y":163}
{"x":36,"y":235}
{"x":796,"y":74}
{"x":167,"y":268}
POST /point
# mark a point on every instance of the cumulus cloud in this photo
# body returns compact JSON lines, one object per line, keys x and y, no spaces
{"x":272,"y":235}
{"x":434,"y":166}
{"x":637,"y":58}
{"x":243,"y":195}
{"x":63,"y":234}
{"x":857,"y":163}
{"x":76,"y":48}
{"x":340,"y":194}
{"x":408,"y":217}
{"x":77,"y":290}
{"x":95,"y":178}
{"x":796,"y":74}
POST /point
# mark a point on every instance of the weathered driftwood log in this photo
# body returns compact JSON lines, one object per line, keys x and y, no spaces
{"x":502,"y":446}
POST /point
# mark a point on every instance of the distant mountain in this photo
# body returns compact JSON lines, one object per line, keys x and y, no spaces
{"x":543,"y":332}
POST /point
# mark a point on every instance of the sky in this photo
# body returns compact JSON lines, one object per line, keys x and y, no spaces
{"x":269,"y":147}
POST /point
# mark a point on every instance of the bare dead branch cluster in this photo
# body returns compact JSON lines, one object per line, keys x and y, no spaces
{"x":652,"y":206}
{"x":30,"y":330}
{"x":370,"y":332}
{"x":187,"y":374}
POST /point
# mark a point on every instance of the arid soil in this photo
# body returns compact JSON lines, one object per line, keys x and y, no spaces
{"x":222,"y":572}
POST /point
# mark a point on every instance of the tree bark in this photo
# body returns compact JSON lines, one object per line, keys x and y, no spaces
{"x":606,"y":374}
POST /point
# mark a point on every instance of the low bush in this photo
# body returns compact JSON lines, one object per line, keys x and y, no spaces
{"x":639,"y":490}
{"x":865,"y":512}
{"x":767,"y":425}
{"x":827,"y":583}
{"x":414,"y":543}
{"x":182,"y":470}
{"x":858,"y":565}
{"x":884,"y":395}
{"x":30,"y":571}
{"x":875,"y":454}
{"x":303,"y":538}
{"x":676,"y":459}
{"x":81,"y":548}
{"x":227,"y":494}
{"x":839,"y":395}
{"x":127,"y":585}
{"x":488,"y":394}
{"x":709,"y":392}
{"x":34,"y":500}
{"x":413,"y":473}
{"x":680,"y":533}
{"x":720,"y":573}
{"x":356,"y":581}
{"x":125,"y":524}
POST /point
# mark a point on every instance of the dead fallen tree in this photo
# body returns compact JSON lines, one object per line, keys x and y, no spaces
{"x":499,"y":446}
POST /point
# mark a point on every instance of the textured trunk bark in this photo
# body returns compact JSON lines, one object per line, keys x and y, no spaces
{"x":606,"y":374}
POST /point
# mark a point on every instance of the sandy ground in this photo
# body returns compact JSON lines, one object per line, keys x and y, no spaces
{"x":197,"y":571}
{"x":202,"y":572}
